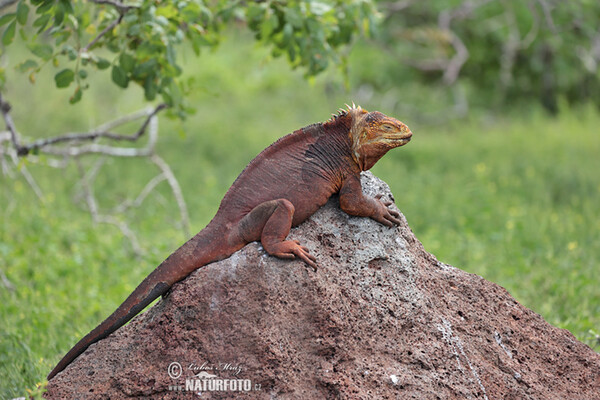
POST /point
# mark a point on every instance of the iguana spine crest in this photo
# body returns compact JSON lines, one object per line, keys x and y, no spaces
{"x":283,"y":186}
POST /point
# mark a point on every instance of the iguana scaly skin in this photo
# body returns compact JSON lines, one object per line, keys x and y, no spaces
{"x":283,"y":186}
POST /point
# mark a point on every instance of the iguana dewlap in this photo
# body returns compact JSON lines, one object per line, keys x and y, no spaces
{"x":283,"y":186}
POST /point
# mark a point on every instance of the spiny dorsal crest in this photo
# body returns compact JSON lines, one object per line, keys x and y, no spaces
{"x":342,"y":112}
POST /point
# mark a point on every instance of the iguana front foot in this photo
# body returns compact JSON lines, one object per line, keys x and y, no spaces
{"x":384,"y":214}
{"x":354,"y":202}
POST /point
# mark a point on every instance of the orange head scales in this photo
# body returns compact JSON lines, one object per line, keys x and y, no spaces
{"x":373,"y":134}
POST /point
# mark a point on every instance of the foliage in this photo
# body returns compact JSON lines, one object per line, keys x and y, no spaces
{"x":495,"y":53}
{"x":510,"y":199}
{"x":139,"y":41}
{"x":513,"y":199}
{"x":489,"y":53}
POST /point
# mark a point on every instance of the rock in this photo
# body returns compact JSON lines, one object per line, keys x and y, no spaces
{"x":381,"y":319}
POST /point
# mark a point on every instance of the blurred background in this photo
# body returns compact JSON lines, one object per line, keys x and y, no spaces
{"x":501,"y":177}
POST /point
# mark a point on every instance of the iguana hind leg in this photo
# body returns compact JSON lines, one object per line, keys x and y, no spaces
{"x":270,"y":222}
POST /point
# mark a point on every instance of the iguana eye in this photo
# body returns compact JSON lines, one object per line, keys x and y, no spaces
{"x":387,"y":127}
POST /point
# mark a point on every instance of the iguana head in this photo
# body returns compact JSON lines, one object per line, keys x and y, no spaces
{"x":373,"y":134}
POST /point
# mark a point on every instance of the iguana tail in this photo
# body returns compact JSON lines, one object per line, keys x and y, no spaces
{"x":198,"y":251}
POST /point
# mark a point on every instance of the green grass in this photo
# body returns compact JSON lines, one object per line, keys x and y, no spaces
{"x":514,"y":199}
{"x":516,"y":202}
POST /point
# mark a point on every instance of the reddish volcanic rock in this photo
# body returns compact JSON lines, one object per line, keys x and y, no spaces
{"x":381,"y":319}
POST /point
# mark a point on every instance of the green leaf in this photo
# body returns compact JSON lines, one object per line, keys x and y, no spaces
{"x":59,"y":14}
{"x":127,"y":62}
{"x":102,"y":63}
{"x":82,"y":73}
{"x":44,"y":7}
{"x":167,"y":10}
{"x":5,"y":19}
{"x":269,"y":24}
{"x":64,"y":78}
{"x":150,"y":89}
{"x":70,"y":52}
{"x":41,"y":22}
{"x":22,"y":12}
{"x":67,"y":6}
{"x":23,"y":34}
{"x":43,"y":51}
{"x":119,"y":76}
{"x":76,"y":96}
{"x":9,"y":33}
{"x":62,"y":37}
{"x":27,"y":65}
{"x":294,"y":17}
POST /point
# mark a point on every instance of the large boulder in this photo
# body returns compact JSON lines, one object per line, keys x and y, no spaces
{"x":380,"y":319}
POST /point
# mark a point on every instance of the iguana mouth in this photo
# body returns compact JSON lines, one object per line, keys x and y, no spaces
{"x":395,"y":140}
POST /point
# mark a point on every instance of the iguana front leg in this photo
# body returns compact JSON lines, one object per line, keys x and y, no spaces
{"x":354,"y":202}
{"x":271,"y":222}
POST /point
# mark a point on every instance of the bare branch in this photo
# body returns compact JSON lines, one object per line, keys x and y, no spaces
{"x":7,"y":284}
{"x":89,"y":176}
{"x":6,"y":3}
{"x":456,"y":62}
{"x":396,"y":6}
{"x":125,"y":230}
{"x":461,"y":12}
{"x":87,"y":191}
{"x":535,"y":27}
{"x":445,"y":18}
{"x":124,"y":206}
{"x":176,"y":189}
{"x":72,"y":146}
{"x":107,"y":126}
{"x":32,"y":183}
{"x":11,"y":153}
{"x":509,"y":49}
{"x":427,"y":65}
{"x":10,"y":125}
{"x":105,"y":219}
{"x":595,"y":47}
{"x":548,"y":15}
{"x":6,"y":169}
{"x":93,"y":135}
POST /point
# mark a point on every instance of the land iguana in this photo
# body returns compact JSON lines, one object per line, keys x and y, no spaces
{"x":283,"y":186}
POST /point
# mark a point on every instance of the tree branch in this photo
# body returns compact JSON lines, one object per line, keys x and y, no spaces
{"x":100,"y":218}
{"x":6,"y":3}
{"x":100,"y":132}
{"x":176,"y":189}
{"x":397,"y":6}
{"x":461,"y":12}
{"x":5,"y":282}
{"x":10,"y":125}
{"x":124,"y":206}
{"x":548,"y":15}
{"x":71,"y":147}
{"x":121,"y":8}
{"x":104,"y":32}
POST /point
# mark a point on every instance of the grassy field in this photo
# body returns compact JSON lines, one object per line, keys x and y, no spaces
{"x":512,"y":198}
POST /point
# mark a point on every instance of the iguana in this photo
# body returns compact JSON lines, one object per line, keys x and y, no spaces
{"x":283,"y":186}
